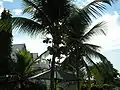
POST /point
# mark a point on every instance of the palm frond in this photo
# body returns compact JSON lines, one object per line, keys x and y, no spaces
{"x":78,"y":21}
{"x":34,"y":72}
{"x":96,"y":7}
{"x":80,"y":32}
{"x":93,"y":7}
{"x":28,"y":10}
{"x":24,"y":58}
{"x":42,"y":56}
{"x":88,"y":73}
{"x":30,"y":5}
{"x":94,"y":54}
{"x":27,"y":26}
{"x":92,"y":46}
{"x":49,"y":10}
{"x":108,"y":1}
{"x":97,"y":29}
{"x":95,"y":70}
{"x":67,"y":65}
{"x":91,"y":62}
{"x":38,"y":59}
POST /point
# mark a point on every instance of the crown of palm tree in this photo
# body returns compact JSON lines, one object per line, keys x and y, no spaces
{"x":44,"y":15}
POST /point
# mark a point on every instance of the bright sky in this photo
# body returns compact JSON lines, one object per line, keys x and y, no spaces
{"x":110,"y":44}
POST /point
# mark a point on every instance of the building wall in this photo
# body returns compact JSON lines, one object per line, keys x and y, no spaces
{"x":41,"y":64}
{"x":15,"y":48}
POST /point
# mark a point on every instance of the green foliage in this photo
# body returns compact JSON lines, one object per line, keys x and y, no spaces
{"x":67,"y":25}
{"x":109,"y":73}
{"x":22,"y":70}
{"x":5,"y":44}
{"x":96,"y":73}
{"x":52,"y":9}
{"x":82,"y":51}
{"x":44,"y":15}
{"x":106,"y":77}
{"x":24,"y":58}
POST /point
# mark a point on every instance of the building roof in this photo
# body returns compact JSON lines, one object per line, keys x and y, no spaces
{"x":58,"y":74}
{"x":34,"y":55}
{"x":16,"y":47}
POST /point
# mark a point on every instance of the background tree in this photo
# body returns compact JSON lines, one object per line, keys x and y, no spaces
{"x":109,"y":73}
{"x":5,"y":43}
{"x":108,"y":77}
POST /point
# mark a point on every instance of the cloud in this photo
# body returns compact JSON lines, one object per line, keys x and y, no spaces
{"x":112,"y":40}
{"x":1,"y":6}
{"x":9,"y":0}
{"x":17,"y":11}
{"x":82,"y":3}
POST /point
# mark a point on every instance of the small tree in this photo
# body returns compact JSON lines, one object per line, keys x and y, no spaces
{"x":22,"y":71}
{"x":5,"y":43}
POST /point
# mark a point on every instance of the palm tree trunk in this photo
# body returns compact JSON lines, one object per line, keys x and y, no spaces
{"x":78,"y":83}
{"x":52,"y":81}
{"x":77,"y":67}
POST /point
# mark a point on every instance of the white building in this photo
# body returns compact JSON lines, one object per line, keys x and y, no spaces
{"x":42,"y":63}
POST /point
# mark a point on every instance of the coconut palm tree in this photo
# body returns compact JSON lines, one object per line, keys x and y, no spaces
{"x":79,"y":52}
{"x":49,"y":15}
{"x":22,"y":70}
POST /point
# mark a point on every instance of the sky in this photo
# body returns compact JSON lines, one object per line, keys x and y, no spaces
{"x":110,"y":43}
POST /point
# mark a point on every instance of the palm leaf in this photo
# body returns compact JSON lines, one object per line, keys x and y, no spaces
{"x":93,"y":54}
{"x":88,"y":74}
{"x":94,"y":70}
{"x":34,"y":72}
{"x":24,"y":58}
{"x":67,"y":65}
{"x":49,"y":10}
{"x":78,"y":21}
{"x":34,"y":5}
{"x":29,"y":6}
{"x":99,"y":28}
{"x":92,"y":46}
{"x":90,"y":61}
{"x":28,"y":10}
{"x":42,"y":56}
{"x":39,"y":58}
{"x":93,"y":7}
{"x":108,"y":1}
{"x":27,"y":26}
